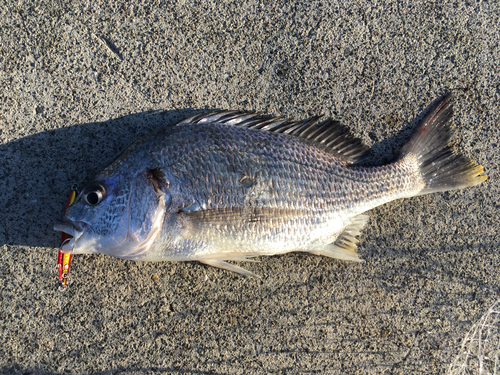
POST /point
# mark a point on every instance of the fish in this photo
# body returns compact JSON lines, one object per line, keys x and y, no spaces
{"x":231,"y":186}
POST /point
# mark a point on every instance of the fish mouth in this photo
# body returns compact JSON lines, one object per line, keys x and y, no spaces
{"x":75,"y":229}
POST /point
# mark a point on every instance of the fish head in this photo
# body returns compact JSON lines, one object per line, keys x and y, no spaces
{"x":117,"y":215}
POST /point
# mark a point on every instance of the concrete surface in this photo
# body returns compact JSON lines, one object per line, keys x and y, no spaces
{"x":79,"y":81}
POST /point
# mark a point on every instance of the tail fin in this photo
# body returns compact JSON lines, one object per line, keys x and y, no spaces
{"x":441,"y":168}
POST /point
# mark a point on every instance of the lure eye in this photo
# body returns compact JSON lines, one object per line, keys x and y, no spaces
{"x":94,"y":195}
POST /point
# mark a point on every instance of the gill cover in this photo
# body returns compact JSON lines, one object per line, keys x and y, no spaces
{"x":122,"y":220}
{"x":149,"y":200}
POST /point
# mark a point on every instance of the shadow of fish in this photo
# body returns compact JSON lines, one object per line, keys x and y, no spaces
{"x":231,"y":186}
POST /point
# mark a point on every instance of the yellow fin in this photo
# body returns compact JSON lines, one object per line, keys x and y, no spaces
{"x":345,"y":245}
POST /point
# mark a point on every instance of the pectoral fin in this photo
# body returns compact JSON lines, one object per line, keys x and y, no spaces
{"x":270,"y":217}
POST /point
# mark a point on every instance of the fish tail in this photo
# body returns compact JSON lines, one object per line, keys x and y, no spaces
{"x":442,"y":169}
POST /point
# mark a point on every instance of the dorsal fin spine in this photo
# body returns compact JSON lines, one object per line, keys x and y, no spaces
{"x":330,"y":135}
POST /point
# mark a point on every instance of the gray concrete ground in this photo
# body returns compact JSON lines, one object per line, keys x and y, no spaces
{"x":81,"y":80}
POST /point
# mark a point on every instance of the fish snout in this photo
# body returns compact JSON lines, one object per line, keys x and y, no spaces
{"x":72,"y":228}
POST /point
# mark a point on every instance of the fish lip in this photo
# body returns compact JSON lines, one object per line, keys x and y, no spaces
{"x":72,"y":227}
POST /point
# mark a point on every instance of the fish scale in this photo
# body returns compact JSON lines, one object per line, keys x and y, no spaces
{"x":320,"y":187}
{"x":232,"y":185}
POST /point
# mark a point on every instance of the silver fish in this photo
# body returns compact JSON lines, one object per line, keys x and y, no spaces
{"x":230,"y":186}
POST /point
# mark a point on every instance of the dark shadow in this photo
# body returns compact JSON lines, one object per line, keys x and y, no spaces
{"x":386,"y":150}
{"x":37,"y":172}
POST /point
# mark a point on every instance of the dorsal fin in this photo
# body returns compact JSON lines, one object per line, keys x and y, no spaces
{"x":329,"y":135}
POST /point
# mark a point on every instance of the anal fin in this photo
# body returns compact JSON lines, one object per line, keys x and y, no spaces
{"x":345,"y":245}
{"x":228,"y":266}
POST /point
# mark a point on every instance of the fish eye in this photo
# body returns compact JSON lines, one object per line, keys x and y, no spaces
{"x":94,"y":195}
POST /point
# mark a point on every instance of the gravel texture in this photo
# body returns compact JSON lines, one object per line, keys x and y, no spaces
{"x":79,"y":81}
